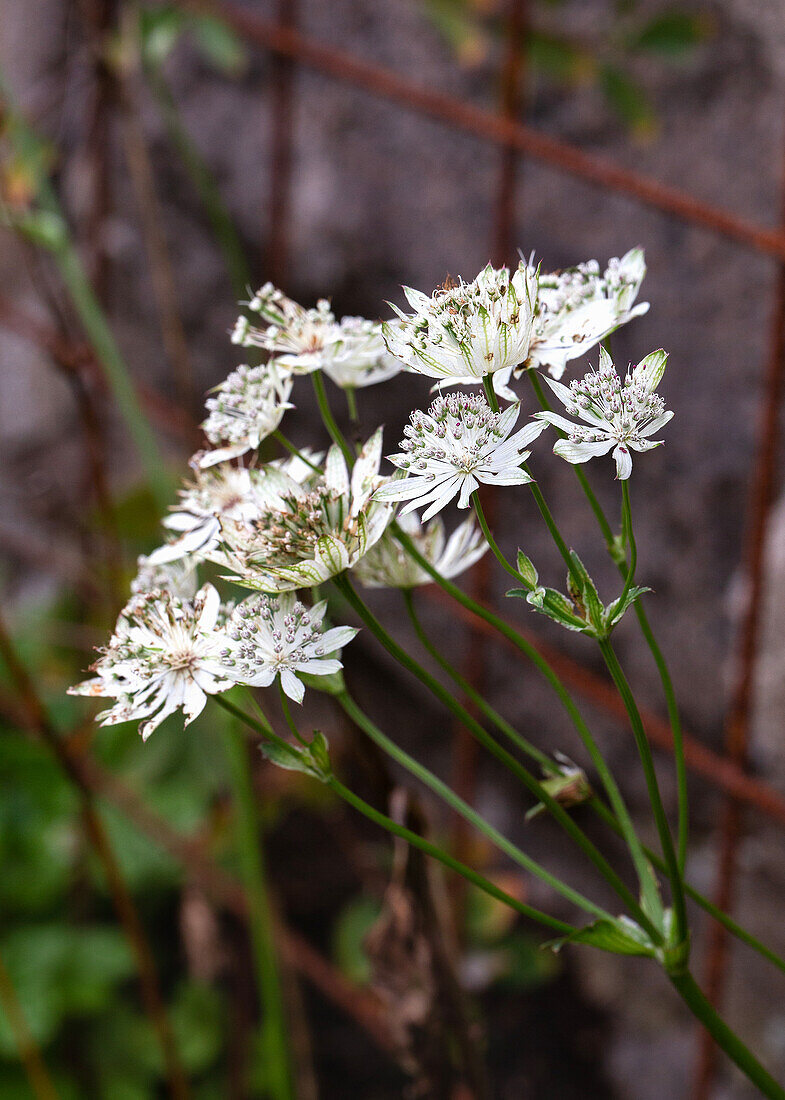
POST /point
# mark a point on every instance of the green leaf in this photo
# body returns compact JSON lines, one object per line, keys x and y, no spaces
{"x":219,"y":45}
{"x":556,"y":57}
{"x":527,"y":570}
{"x":313,"y":761}
{"x":334,"y":684}
{"x":588,"y":592}
{"x":159,"y":30}
{"x":672,"y":34}
{"x":627,"y":99}
{"x":620,"y":937}
{"x":617,"y":608}
{"x":558,"y":607}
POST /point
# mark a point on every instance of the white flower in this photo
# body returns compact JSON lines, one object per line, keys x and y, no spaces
{"x":350,"y":351}
{"x":465,"y":331}
{"x":622,"y":415}
{"x":217,"y":494}
{"x":247,"y":407}
{"x":278,"y":636}
{"x":176,"y":577}
{"x":316,"y":532}
{"x":458,"y":444}
{"x":161,"y":657}
{"x":388,"y":565}
{"x":576,"y":309}
{"x":359,"y":356}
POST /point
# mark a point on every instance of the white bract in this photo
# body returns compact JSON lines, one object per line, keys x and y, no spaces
{"x":246,"y":408}
{"x":218,"y":494}
{"x":359,"y":356}
{"x":465,"y":331}
{"x":162,"y":657}
{"x":576,"y":309}
{"x":453,"y":448}
{"x":616,"y":414}
{"x":350,"y":351}
{"x":316,"y":531}
{"x":268,"y":637}
{"x":388,"y":565}
{"x":177,"y":577}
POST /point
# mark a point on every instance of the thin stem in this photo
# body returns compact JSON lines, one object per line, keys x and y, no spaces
{"x":550,"y":523}
{"x":724,"y":1037}
{"x":351,"y":404}
{"x":330,"y":424}
{"x":509,"y":761}
{"x":625,"y":826}
{"x":648,"y":634}
{"x":290,"y":447}
{"x":275,"y":1050}
{"x":490,"y":392}
{"x":497,"y":552}
{"x":644,"y":751}
{"x":445,"y":858}
{"x":629,"y":536}
{"x":446,"y":793}
{"x":287,"y":714}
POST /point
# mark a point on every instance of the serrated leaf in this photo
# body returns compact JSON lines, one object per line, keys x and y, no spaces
{"x":298,"y":760}
{"x":559,"y":608}
{"x":616,"y":609}
{"x":620,"y":937}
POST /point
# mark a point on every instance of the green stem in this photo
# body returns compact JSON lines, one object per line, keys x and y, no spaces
{"x":648,"y":882}
{"x":330,"y":424}
{"x":501,"y":754}
{"x":290,"y":447}
{"x":490,"y":392}
{"x":724,"y":1037}
{"x":447,"y":860}
{"x":629,"y":536}
{"x":495,"y":549}
{"x":445,"y":792}
{"x":648,"y":634}
{"x":351,"y":404}
{"x":287,"y":714}
{"x":275,"y":1050}
{"x":644,"y":752}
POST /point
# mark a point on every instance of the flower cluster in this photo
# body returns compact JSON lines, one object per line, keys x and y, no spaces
{"x":453,"y":448}
{"x":388,"y":565}
{"x":163,"y":656}
{"x":316,"y":532}
{"x":246,"y":409}
{"x":291,"y":524}
{"x":616,"y":414}
{"x":278,"y":636}
{"x":465,"y":331}
{"x":351,"y":352}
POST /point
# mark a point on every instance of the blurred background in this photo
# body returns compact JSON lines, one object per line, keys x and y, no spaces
{"x":158,"y":160}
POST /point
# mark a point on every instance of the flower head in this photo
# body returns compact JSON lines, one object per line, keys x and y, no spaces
{"x":387,"y":565}
{"x":278,"y":636}
{"x":359,"y":356}
{"x":218,"y":494}
{"x":576,"y":309}
{"x":467,"y":330}
{"x":458,"y":444}
{"x":616,"y":414}
{"x":161,"y":657}
{"x":246,"y":408}
{"x":315,"y":532}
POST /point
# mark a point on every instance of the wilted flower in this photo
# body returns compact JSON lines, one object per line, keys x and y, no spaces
{"x":217,"y":494}
{"x":457,"y":445}
{"x":162,"y":657}
{"x":247,"y":407}
{"x":576,"y":309}
{"x":388,"y":565}
{"x":279,"y":636}
{"x":316,"y":531}
{"x":622,"y":415}
{"x":465,"y":331}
